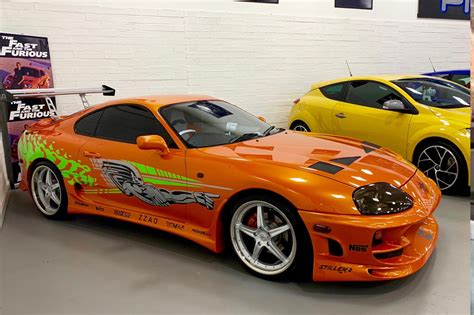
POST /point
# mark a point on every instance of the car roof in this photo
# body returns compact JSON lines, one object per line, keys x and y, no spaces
{"x":381,"y":77}
{"x":157,"y":101}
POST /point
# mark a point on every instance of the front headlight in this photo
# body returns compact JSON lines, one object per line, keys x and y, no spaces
{"x":381,"y":198}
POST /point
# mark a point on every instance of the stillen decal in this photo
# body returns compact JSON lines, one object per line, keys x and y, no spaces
{"x":128,"y":180}
{"x":336,"y":268}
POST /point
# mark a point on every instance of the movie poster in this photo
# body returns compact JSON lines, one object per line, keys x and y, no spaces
{"x":24,"y":64}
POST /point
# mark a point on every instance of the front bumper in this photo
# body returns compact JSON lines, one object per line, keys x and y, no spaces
{"x":346,"y":248}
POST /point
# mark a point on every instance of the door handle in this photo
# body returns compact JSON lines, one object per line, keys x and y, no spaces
{"x":340,"y":115}
{"x":91,"y":154}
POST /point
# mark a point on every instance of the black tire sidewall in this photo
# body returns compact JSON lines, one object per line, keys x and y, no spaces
{"x":461,"y":184}
{"x":302,"y":264}
{"x":62,"y":211}
{"x":300,"y":123}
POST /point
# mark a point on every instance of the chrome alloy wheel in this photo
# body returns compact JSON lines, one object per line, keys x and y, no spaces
{"x":263,"y":237}
{"x":46,"y":190}
{"x":440,"y":164}
{"x":300,"y":128}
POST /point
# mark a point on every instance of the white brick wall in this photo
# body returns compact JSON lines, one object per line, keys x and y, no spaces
{"x":259,"y":61}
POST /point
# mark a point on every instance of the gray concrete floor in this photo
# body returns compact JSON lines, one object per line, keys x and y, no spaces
{"x":92,"y":265}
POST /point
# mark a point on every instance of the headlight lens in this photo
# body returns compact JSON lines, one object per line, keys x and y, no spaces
{"x":381,"y":198}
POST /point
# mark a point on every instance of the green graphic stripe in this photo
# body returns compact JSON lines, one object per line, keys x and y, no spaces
{"x":149,"y":170}
{"x":32,"y":147}
{"x":165,"y":182}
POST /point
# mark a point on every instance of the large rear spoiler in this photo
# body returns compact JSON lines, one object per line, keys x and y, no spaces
{"x":10,"y":95}
{"x":7,"y":96}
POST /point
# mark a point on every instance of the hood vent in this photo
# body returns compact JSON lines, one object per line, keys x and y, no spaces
{"x":346,"y":160}
{"x":326,"y":167}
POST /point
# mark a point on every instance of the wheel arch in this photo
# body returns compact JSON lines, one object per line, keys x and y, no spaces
{"x":224,"y":215}
{"x":299,"y":121}
{"x":465,"y":163}
{"x":305,"y":117}
{"x":434,"y":139}
{"x":29,"y":171}
{"x":224,"y":218}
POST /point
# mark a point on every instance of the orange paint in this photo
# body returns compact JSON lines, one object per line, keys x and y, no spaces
{"x":278,"y":163}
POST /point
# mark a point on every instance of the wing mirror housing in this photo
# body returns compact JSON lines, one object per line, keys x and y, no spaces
{"x":153,"y":142}
{"x":394,"y":105}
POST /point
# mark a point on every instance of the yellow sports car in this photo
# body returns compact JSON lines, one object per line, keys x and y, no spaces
{"x":425,"y":119}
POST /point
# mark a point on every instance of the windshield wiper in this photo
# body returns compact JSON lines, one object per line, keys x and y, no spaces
{"x":272,"y":128}
{"x":267,"y":132}
{"x":246,"y":136}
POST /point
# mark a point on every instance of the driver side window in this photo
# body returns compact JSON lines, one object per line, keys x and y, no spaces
{"x":371,"y":94}
{"x":122,"y":123}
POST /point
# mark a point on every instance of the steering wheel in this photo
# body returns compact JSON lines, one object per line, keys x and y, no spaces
{"x":186,"y":131}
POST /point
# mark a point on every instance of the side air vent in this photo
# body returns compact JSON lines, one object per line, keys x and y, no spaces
{"x":335,"y":249}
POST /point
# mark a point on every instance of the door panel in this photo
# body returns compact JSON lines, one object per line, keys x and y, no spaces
{"x":361,"y":115}
{"x":386,"y":128}
{"x":137,"y":180}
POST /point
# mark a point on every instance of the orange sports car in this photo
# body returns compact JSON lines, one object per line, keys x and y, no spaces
{"x":284,"y":202}
{"x":32,"y":78}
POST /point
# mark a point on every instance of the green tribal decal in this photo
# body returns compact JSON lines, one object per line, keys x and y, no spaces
{"x":32,"y":147}
{"x":162,"y":177}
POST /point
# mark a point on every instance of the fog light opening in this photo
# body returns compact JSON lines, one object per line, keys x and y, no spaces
{"x":378,"y":238}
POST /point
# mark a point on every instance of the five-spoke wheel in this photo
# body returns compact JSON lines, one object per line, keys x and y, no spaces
{"x":48,"y":190}
{"x":264,"y":237}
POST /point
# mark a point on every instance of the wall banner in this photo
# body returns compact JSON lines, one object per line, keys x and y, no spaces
{"x":24,"y":64}
{"x":444,"y":9}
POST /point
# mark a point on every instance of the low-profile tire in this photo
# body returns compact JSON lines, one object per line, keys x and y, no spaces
{"x":300,"y":126}
{"x":279,"y":248}
{"x":444,"y":163}
{"x":48,"y":190}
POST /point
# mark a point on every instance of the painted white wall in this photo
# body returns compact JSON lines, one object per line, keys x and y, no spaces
{"x":257,"y":56}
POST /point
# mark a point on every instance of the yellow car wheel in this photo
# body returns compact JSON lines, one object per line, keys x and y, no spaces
{"x":442,"y":162}
{"x":300,"y":126}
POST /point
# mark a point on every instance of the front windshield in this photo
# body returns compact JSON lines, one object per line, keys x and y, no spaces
{"x":436,"y":93}
{"x":210,"y":123}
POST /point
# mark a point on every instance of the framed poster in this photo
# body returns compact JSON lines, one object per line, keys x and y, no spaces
{"x":260,"y":1}
{"x":24,"y":64}
{"x":444,"y":9}
{"x":354,"y":4}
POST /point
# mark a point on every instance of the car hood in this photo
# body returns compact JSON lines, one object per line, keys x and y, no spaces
{"x":462,"y":115}
{"x":346,"y":160}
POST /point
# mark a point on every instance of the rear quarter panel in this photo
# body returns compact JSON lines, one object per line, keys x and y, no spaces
{"x":58,"y":144}
{"x":315,"y":110}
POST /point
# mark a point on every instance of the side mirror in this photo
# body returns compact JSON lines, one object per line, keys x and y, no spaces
{"x":262,"y":118}
{"x":153,"y":142}
{"x":394,"y":105}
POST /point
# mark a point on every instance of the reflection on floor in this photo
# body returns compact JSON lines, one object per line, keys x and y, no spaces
{"x":94,"y":265}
